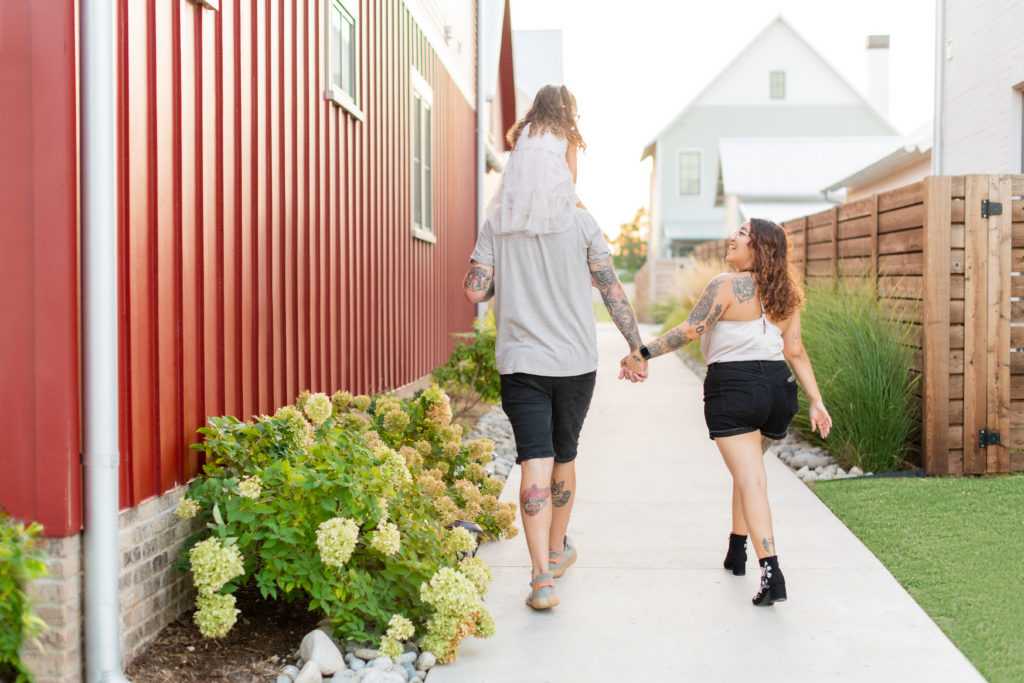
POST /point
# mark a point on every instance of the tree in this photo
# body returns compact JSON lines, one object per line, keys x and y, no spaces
{"x":630,"y":246}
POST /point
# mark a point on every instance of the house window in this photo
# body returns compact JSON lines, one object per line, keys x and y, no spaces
{"x":422,"y":159}
{"x":689,"y":172}
{"x":343,"y":55}
{"x":777,"y":85}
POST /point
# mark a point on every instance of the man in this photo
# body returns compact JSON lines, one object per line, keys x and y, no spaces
{"x":547,"y":358}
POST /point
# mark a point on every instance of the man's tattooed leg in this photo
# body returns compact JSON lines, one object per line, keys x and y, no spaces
{"x":559,"y":494}
{"x":534,"y":499}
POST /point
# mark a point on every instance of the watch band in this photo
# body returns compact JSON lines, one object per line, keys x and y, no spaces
{"x":645,"y":352}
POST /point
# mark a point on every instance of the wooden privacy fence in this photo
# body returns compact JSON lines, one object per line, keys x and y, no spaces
{"x":945,"y":255}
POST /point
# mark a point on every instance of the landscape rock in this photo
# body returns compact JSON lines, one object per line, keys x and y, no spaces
{"x":310,"y":674}
{"x":381,"y":663}
{"x":290,"y":671}
{"x":856,"y":471}
{"x":366,"y":654}
{"x":426,"y":661}
{"x":283,"y":679}
{"x":381,"y":676}
{"x":317,"y":647}
{"x":354,"y":662}
{"x":407,"y":658}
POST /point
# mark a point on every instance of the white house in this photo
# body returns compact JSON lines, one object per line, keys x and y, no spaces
{"x":779,"y":86}
{"x":979,"y":108}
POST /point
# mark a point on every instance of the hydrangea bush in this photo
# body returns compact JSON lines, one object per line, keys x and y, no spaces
{"x":471,"y":373}
{"x":348,"y":503}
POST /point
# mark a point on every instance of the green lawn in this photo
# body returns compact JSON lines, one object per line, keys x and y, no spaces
{"x":601,"y":313}
{"x":957,"y":545}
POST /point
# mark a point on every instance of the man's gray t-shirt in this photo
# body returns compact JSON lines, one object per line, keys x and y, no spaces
{"x":542,"y":297}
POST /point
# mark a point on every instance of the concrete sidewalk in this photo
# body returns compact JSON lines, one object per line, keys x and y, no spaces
{"x":648,"y":599}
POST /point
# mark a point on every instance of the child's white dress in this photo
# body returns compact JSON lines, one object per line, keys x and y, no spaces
{"x":537,"y":195}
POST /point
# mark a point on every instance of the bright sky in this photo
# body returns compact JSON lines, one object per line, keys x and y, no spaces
{"x":633,"y":66}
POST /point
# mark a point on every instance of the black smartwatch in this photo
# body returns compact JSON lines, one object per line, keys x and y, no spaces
{"x":645,"y":352}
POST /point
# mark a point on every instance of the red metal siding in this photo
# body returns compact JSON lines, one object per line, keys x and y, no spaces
{"x":38,"y":242}
{"x":266,"y":232}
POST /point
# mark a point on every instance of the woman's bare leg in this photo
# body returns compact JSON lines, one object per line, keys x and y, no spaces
{"x":743,"y":457}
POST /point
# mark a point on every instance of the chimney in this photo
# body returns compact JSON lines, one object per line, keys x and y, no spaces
{"x":878,"y":73}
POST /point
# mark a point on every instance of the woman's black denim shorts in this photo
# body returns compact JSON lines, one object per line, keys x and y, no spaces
{"x":749,"y":396}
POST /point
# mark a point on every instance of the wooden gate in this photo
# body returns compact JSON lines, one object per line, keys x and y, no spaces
{"x":993,"y":257}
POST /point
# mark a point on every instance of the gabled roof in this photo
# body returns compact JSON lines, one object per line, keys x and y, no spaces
{"x":779,"y":20}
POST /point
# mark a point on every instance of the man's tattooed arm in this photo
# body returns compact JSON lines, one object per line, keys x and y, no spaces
{"x":705,"y":314}
{"x":607,"y":282}
{"x":479,"y":283}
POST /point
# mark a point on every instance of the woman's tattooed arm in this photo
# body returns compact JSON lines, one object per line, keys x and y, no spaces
{"x":705,"y":314}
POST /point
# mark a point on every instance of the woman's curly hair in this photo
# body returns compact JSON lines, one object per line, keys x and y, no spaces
{"x":781,"y":294}
{"x":554,"y":111}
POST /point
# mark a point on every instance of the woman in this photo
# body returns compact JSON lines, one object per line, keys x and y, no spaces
{"x":749,"y":325}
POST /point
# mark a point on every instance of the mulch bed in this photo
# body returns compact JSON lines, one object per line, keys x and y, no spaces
{"x":265,"y":638}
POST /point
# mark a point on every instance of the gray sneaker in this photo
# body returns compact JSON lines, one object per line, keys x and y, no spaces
{"x":559,"y":562}
{"x":542,"y":592}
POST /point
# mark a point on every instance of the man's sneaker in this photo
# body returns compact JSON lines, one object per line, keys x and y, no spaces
{"x":542,"y":592}
{"x":559,"y":562}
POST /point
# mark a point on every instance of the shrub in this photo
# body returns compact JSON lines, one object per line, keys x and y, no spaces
{"x":471,"y":373}
{"x":21,"y":561}
{"x":861,"y":361}
{"x":343,"y":504}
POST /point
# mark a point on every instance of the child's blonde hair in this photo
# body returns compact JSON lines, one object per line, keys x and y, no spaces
{"x":553,"y":110}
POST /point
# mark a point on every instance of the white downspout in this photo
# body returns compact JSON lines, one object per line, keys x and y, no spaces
{"x":481,"y":128}
{"x":98,"y":98}
{"x":940,"y":71}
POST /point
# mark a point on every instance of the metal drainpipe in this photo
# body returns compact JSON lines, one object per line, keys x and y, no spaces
{"x":940,"y":71}
{"x":98,"y":97}
{"x":481,"y":128}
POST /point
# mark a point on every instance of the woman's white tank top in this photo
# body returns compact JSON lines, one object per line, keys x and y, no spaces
{"x":738,"y":340}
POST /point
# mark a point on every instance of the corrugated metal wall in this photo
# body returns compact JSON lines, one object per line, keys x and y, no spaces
{"x":266,"y":233}
{"x":39,"y":265}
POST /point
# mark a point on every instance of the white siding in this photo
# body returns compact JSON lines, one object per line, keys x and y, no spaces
{"x":457,"y":52}
{"x":981,"y":117}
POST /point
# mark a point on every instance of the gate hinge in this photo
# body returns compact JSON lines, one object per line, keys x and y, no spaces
{"x":990,"y":208}
{"x":988,"y":437}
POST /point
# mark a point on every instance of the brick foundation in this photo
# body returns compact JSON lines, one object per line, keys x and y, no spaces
{"x":152,"y":592}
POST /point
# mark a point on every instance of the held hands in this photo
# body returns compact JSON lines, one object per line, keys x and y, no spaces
{"x":821,"y":421}
{"x":633,"y":367}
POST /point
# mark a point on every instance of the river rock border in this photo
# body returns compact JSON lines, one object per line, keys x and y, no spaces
{"x":494,"y":425}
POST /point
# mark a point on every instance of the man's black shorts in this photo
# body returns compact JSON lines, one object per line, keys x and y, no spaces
{"x":546,"y":413}
{"x":749,"y":396}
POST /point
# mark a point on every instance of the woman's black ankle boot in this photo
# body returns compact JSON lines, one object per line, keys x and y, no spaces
{"x":773,"y":583}
{"x":736,"y":558}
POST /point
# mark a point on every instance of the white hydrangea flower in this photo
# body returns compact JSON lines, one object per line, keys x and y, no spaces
{"x":336,"y":538}
{"x":216,"y":614}
{"x":250,"y":487}
{"x":187,"y":508}
{"x":318,"y":408}
{"x":459,"y":540}
{"x":386,"y":539}
{"x":214,"y":564}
